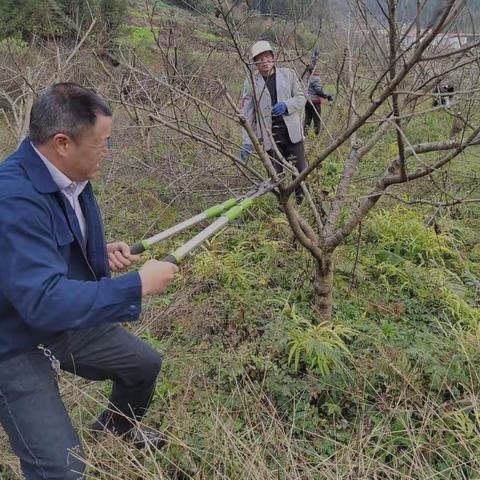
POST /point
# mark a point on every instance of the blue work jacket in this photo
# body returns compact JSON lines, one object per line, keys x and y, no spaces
{"x":51,"y":280}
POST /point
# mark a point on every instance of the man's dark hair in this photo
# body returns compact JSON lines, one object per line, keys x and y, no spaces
{"x":65,"y":108}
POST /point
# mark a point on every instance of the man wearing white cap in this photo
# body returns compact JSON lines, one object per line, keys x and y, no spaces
{"x":273,"y":107}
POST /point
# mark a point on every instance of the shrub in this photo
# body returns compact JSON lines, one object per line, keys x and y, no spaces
{"x":320,"y":346}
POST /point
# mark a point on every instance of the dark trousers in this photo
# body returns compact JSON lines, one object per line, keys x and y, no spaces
{"x":293,"y":153}
{"x":32,"y":412}
{"x":312,"y":112}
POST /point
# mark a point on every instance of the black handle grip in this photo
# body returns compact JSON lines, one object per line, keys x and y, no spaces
{"x":170,"y":259}
{"x":137,"y":248}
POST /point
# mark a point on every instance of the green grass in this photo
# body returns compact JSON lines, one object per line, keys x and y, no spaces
{"x":140,"y":37}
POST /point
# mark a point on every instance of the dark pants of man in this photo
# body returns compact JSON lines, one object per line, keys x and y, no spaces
{"x":34,"y":416}
{"x":293,"y":153}
{"x":312,"y":113}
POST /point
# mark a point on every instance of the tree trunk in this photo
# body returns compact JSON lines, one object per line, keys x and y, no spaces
{"x":323,"y":285}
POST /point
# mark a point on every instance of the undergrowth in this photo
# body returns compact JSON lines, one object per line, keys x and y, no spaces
{"x":251,"y":388}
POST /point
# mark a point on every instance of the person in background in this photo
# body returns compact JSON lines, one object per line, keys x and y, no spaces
{"x":273,"y":105}
{"x":313,"y":107}
{"x":444,"y":95}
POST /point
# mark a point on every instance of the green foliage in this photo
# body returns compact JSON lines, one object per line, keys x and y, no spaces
{"x":240,"y":264}
{"x":113,"y":13}
{"x":140,"y":37}
{"x":231,"y":270}
{"x":402,"y":232}
{"x":320,"y":346}
{"x":412,"y":259}
{"x":331,"y":171}
{"x":24,"y":18}
{"x":13,"y":46}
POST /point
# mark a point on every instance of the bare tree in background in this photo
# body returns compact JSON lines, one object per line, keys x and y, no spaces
{"x":23,"y":74}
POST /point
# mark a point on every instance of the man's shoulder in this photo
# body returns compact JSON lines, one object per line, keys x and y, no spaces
{"x":14,"y":181}
{"x":286,"y":72}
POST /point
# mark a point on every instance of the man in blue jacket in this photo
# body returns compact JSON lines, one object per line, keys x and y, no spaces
{"x":59,"y":308}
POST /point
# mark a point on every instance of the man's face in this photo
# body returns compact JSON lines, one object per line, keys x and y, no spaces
{"x":264,"y":62}
{"x":83,"y":156}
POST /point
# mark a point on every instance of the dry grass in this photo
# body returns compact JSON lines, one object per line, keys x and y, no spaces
{"x":252,"y":440}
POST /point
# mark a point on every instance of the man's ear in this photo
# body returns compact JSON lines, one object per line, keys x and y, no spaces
{"x":61,"y":143}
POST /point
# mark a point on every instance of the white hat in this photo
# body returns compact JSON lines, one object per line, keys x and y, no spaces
{"x":260,"y":47}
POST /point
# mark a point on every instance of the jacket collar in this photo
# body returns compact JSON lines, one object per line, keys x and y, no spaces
{"x":35,"y":169}
{"x":259,"y":76}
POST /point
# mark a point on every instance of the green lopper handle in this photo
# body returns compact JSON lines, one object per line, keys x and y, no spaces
{"x":217,"y":210}
{"x":236,"y":211}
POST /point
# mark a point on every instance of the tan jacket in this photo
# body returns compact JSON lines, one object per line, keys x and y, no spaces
{"x":288,"y":91}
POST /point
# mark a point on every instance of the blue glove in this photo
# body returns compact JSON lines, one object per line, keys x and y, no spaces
{"x":245,"y":150}
{"x":279,"y":108}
